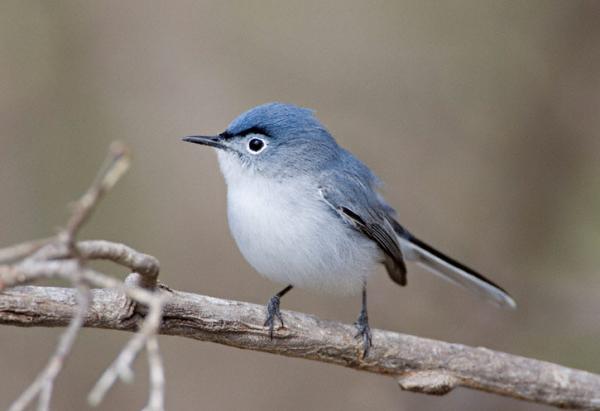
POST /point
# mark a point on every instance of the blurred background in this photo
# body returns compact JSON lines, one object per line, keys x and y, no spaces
{"x":481,"y":117}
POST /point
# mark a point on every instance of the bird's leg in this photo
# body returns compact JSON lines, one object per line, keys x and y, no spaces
{"x":362,"y":324}
{"x":273,"y":310}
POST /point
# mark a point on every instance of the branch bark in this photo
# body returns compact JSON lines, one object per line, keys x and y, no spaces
{"x":419,"y":364}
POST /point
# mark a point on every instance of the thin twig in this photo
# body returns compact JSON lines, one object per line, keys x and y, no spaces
{"x":20,"y":251}
{"x":156,"y":402}
{"x":145,"y":265}
{"x":45,"y":396}
{"x":31,"y":270}
{"x":121,"y":367}
{"x":116,"y":164}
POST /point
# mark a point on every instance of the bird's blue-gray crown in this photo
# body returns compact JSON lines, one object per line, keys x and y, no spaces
{"x":279,"y":120}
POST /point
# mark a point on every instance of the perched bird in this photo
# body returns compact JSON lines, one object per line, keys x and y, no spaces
{"x":305,"y":212}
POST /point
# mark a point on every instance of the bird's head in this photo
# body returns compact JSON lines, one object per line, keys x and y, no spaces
{"x":272,"y":140}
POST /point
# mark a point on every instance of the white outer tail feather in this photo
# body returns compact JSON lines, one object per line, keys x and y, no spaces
{"x":455,"y":275}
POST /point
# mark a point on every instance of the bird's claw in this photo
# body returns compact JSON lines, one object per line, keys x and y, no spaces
{"x":273,"y":314}
{"x":364,"y":332}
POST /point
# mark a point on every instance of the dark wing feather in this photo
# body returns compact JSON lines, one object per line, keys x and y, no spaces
{"x":374,"y":224}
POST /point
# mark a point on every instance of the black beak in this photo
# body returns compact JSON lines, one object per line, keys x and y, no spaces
{"x":211,"y":141}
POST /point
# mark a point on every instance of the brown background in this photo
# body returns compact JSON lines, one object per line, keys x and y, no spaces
{"x":481,"y":117}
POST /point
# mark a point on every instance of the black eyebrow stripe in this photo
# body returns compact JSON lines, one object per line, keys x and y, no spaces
{"x":253,"y":130}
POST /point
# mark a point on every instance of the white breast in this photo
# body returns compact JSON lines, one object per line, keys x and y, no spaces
{"x":289,"y":235}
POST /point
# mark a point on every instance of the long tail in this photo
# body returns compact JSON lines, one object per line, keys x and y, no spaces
{"x":451,"y":270}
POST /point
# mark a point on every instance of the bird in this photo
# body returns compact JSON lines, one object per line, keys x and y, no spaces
{"x":307,"y":213}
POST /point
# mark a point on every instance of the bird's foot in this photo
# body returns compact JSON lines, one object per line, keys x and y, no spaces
{"x":364,"y":332}
{"x":273,"y":314}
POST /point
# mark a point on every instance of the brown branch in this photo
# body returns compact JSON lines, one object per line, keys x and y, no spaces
{"x":419,"y":364}
{"x":145,"y":265}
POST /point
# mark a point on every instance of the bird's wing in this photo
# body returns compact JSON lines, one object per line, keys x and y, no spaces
{"x":358,"y":205}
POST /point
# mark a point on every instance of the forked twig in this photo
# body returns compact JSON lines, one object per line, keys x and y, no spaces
{"x":63,"y":257}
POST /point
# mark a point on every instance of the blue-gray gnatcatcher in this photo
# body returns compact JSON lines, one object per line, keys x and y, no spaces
{"x":307,"y":213}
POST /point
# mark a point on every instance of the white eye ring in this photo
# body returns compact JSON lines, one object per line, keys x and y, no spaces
{"x":256,"y":145}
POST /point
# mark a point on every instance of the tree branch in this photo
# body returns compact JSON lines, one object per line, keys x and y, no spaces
{"x":419,"y":364}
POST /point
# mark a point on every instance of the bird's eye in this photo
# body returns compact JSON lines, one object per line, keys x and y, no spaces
{"x":256,"y":145}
